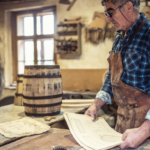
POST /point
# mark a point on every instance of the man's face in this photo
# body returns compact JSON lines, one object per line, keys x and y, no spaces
{"x":117,"y":19}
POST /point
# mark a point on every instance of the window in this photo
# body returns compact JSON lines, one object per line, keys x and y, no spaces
{"x":33,"y":38}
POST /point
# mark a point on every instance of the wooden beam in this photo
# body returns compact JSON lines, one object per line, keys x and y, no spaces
{"x":146,"y":2}
{"x":71,"y":5}
{"x":14,"y":46}
{"x":37,"y":37}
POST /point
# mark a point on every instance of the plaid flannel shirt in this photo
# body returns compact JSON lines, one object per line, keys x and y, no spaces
{"x":135,"y":60}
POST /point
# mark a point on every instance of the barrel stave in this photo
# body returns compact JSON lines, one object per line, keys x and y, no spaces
{"x":42,"y":90}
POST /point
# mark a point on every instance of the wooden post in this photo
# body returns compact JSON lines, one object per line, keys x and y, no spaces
{"x":71,"y":5}
{"x":35,"y":39}
{"x":146,"y":2}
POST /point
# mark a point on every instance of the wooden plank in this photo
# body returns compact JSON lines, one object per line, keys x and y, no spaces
{"x":73,"y":22}
{"x":100,"y":15}
{"x":70,"y":24}
{"x":14,"y":45}
{"x":48,"y":140}
{"x":77,"y":101}
{"x":82,"y":93}
{"x":69,"y":33}
{"x":79,"y":38}
{"x":55,"y":137}
{"x":36,"y":37}
{"x":97,"y":23}
{"x":75,"y":105}
{"x":71,"y":5}
{"x":73,"y":19}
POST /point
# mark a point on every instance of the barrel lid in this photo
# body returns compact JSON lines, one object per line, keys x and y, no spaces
{"x":43,"y":66}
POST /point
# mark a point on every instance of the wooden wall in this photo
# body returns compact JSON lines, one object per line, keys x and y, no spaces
{"x":82,"y":79}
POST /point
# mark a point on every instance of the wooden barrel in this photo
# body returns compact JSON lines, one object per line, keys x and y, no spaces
{"x":42,"y":90}
{"x":18,"y":95}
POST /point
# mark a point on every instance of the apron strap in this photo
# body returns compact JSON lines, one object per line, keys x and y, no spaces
{"x":147,"y":100}
{"x":136,"y":31}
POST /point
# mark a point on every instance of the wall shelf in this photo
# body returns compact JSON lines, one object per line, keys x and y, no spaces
{"x":65,"y":33}
{"x":71,"y":29}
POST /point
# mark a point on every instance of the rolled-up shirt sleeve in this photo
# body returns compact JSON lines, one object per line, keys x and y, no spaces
{"x":106,"y":94}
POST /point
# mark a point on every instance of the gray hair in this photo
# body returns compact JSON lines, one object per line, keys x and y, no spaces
{"x":136,"y":3}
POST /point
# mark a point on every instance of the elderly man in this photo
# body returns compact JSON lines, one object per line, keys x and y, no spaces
{"x":128,"y":80}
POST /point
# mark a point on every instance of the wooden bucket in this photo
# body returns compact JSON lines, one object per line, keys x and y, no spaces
{"x":18,"y":95}
{"x":42,"y":90}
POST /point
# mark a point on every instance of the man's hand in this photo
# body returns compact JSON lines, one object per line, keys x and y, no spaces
{"x":134,"y":137}
{"x":93,"y":109}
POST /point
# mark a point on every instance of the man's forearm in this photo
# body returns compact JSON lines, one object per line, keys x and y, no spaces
{"x":98,"y":103}
{"x":145,"y":128}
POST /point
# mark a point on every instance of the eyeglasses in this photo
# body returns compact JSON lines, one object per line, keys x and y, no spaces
{"x":110,"y":12}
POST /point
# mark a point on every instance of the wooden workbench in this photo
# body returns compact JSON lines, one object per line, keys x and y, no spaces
{"x":52,"y":138}
{"x":79,"y":95}
{"x":47,"y":140}
{"x":13,"y":112}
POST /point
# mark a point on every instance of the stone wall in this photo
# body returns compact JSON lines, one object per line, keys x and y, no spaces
{"x":92,"y":57}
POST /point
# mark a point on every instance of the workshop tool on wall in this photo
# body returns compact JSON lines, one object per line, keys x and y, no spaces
{"x":98,"y":15}
{"x":98,"y":30}
{"x":66,"y":46}
{"x":110,"y":32}
{"x":71,"y":28}
{"x":72,"y":3}
{"x":95,"y":30}
{"x":64,"y":2}
{"x":73,"y":19}
{"x":73,"y":22}
{"x":93,"y":35}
